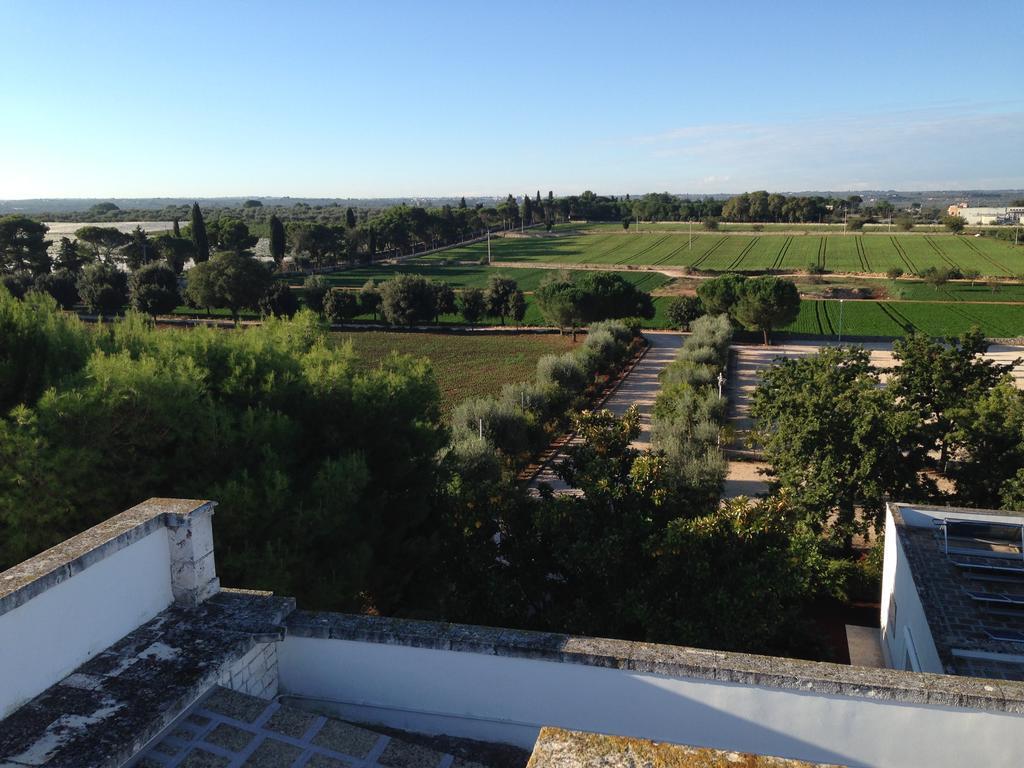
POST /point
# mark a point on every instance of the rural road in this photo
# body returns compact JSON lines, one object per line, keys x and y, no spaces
{"x":639,"y":387}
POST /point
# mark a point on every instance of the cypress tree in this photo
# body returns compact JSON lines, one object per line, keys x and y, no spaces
{"x":350,"y":219}
{"x":199,"y":237}
{"x":527,"y":210}
{"x":373,"y":243}
{"x":462,"y":203}
{"x":277,"y":241}
{"x":177,"y":229}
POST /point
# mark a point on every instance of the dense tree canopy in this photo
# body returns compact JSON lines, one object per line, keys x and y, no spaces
{"x":278,"y":425}
{"x":153,"y":289}
{"x":228,"y":280}
{"x":23,"y":245}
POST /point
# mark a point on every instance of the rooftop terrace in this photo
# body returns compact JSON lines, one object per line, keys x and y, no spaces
{"x":119,"y":647}
{"x":968,"y":567}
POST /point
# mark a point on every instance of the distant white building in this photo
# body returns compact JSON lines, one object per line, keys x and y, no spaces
{"x":983,"y":216}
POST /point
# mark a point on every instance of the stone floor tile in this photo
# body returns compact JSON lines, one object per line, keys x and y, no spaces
{"x":291,"y":722}
{"x":229,"y":737}
{"x":399,"y":754}
{"x":346,"y":739}
{"x":273,"y":754}
{"x":236,"y":705}
{"x":200,"y":758}
{"x":322,"y":761}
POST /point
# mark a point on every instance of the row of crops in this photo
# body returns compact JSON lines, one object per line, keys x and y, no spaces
{"x":728,"y":252}
{"x":884,"y":318}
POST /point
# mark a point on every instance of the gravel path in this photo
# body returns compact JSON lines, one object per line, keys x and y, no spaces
{"x":640,"y":387}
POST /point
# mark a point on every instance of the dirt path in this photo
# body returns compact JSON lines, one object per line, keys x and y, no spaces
{"x":640,"y":387}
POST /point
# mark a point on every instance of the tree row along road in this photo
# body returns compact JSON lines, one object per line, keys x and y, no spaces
{"x":641,"y":387}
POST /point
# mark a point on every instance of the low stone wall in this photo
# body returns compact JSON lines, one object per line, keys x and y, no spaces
{"x":504,"y":685}
{"x":62,"y":607}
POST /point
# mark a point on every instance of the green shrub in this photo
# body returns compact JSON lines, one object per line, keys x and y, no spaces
{"x":315,"y":289}
{"x":60,"y":285}
{"x":103,"y":288}
{"x":505,"y":425}
{"x":563,"y":371}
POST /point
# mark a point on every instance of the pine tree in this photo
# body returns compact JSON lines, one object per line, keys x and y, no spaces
{"x":277,"y":239}
{"x":199,"y":237}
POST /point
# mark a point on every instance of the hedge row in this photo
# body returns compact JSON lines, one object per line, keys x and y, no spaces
{"x":523,"y":418}
{"x":689,"y":415}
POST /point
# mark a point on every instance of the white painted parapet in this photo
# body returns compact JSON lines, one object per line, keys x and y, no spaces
{"x":65,"y":605}
{"x":193,"y":569}
{"x":504,"y":685}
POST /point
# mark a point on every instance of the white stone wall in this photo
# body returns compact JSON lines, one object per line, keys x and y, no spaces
{"x":44,"y":639}
{"x":906,"y":637}
{"x":502,"y":698}
{"x":255,"y":673}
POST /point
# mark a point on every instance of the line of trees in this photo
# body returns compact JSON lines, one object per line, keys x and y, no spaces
{"x":569,"y":301}
{"x":947,"y":427}
{"x":754,"y":303}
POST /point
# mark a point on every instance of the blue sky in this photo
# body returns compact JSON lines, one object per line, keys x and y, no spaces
{"x":112,"y":99}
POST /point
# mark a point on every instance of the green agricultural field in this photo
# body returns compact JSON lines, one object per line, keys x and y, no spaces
{"x":722,"y":251}
{"x":465,"y":366}
{"x":957,"y":291}
{"x":885,"y":318}
{"x":730,"y":226}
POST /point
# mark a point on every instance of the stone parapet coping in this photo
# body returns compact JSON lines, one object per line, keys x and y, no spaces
{"x":558,"y":748}
{"x":818,"y":678}
{"x":103,"y":713}
{"x":36,"y":575}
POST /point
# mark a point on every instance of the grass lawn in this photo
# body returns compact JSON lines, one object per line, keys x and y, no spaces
{"x":465,"y":366}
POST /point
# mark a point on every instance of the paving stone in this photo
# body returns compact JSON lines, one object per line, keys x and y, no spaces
{"x":346,"y":739}
{"x":229,"y":737}
{"x":322,"y":761}
{"x":399,"y":754}
{"x":273,"y":754}
{"x":239,"y":706}
{"x":200,"y":758}
{"x":291,"y":722}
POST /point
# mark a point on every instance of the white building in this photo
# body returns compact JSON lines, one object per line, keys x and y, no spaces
{"x":983,"y":216}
